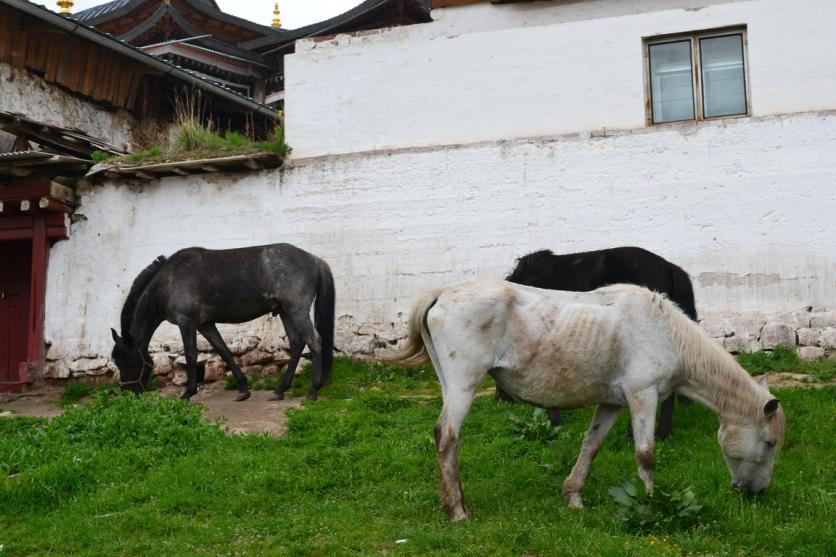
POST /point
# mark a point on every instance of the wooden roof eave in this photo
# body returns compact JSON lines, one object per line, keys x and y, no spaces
{"x":235,"y":163}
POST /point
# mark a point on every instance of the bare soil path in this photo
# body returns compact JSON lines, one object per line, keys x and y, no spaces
{"x":254,"y":415}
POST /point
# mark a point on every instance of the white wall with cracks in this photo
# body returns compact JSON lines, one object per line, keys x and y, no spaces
{"x":30,"y":95}
{"x":745,"y":205}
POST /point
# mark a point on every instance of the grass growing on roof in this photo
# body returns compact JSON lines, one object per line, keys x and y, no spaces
{"x":357,"y":471}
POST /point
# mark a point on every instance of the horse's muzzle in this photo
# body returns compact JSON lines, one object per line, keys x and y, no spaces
{"x":746,"y":488}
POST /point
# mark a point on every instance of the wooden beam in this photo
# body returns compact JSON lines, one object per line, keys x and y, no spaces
{"x":25,"y":205}
{"x":16,"y":234}
{"x":62,"y":193}
{"x":52,"y":206}
{"x":449,"y":3}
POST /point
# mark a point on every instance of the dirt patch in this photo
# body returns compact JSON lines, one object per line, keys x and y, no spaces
{"x":254,"y":415}
{"x":786,"y":380}
{"x":257,"y":414}
{"x":43,"y":403}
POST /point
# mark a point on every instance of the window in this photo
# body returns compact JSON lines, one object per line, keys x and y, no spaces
{"x":697,"y":76}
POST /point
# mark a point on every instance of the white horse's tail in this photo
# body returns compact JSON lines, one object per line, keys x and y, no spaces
{"x":415,"y":352}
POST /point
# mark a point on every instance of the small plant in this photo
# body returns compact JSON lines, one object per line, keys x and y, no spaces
{"x":535,"y":428}
{"x":276,"y":143}
{"x":662,"y":510}
{"x":152,"y":151}
{"x":75,"y":391}
{"x":100,"y":156}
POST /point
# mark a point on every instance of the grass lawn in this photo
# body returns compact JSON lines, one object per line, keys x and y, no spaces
{"x":356,"y":474}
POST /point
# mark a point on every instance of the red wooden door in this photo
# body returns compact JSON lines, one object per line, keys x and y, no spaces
{"x":15,"y":270}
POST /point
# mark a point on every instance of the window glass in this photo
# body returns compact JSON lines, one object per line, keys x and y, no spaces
{"x":724,"y":88}
{"x":671,"y":88}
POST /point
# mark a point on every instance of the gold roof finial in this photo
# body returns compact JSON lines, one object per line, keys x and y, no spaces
{"x":65,"y":6}
{"x":277,"y":20}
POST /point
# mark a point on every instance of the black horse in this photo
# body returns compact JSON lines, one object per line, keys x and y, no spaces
{"x":196,"y":288}
{"x":581,"y":272}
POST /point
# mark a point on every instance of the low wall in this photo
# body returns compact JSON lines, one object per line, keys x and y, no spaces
{"x":745,"y":205}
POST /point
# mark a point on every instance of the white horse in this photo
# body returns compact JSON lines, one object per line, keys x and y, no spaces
{"x":616,"y":346}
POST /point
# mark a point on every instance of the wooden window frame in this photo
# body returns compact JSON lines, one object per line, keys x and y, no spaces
{"x":697,"y":92}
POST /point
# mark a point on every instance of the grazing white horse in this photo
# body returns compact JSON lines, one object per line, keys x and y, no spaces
{"x":616,"y":346}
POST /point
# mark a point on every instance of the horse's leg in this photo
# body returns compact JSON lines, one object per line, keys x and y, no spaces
{"x":502,"y":395}
{"x":602,"y":422}
{"x":643,"y":417}
{"x":447,"y":439}
{"x":303,"y":326}
{"x":296,"y":347}
{"x":189,"y":334}
{"x":665,"y":417}
{"x":554,"y":416}
{"x":210,"y":331}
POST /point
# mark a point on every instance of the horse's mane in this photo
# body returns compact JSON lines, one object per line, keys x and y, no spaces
{"x":137,"y":288}
{"x":728,"y":385}
{"x":530,"y":264}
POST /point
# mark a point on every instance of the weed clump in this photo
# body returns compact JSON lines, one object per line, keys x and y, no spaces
{"x":536,"y":427}
{"x":663,"y":510}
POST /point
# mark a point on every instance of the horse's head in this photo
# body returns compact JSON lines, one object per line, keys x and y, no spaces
{"x":750,"y":447}
{"x":134,"y":363}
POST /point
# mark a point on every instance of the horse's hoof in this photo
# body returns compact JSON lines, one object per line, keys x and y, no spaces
{"x":276,"y":396}
{"x":242,"y":396}
{"x":574,"y":501}
{"x":311,"y":396}
{"x":458,"y":515}
{"x":187,"y":395}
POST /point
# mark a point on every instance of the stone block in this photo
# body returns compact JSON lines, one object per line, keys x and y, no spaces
{"x":362,"y":345}
{"x":202,"y":358}
{"x":809,"y":337}
{"x":57,"y":370}
{"x":252,"y":370}
{"x":244,"y":344}
{"x":256,"y":357}
{"x":203,"y":344}
{"x":270,"y":370}
{"x":162,"y":364}
{"x":743,"y":343}
{"x":823,"y":319}
{"x":180,"y":378}
{"x":84,"y":365}
{"x":215,"y":370}
{"x":828,"y":338}
{"x":273,"y":341}
{"x":343,"y":340}
{"x":776,"y":333}
{"x":810,"y":352}
{"x":346,"y":323}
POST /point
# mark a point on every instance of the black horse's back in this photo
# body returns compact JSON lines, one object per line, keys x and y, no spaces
{"x":585,"y":271}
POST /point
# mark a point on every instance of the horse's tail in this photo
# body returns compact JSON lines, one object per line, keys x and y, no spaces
{"x":324,"y":315}
{"x":682,"y":291}
{"x":415,"y":352}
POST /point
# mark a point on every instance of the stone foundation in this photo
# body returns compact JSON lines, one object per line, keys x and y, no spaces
{"x":266,"y":351}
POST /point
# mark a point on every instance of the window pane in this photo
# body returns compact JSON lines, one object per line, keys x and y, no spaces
{"x":670,"y":82}
{"x":724,"y":88}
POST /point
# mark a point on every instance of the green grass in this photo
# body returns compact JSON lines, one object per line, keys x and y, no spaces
{"x":75,"y":391}
{"x":784,"y":359}
{"x":357,"y":471}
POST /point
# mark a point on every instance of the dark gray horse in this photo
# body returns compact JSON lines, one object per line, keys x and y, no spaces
{"x":196,"y":288}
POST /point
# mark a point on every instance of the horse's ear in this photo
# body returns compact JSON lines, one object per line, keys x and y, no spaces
{"x":762,"y":381}
{"x":115,"y":335}
{"x":771,"y":407}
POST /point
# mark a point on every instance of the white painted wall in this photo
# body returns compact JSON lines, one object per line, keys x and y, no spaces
{"x":745,"y":206}
{"x":33,"y":97}
{"x":487,"y":72}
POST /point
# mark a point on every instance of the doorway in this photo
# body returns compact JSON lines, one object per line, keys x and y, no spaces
{"x":15,"y":275}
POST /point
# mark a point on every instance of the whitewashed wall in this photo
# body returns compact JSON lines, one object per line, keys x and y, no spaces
{"x":746,"y":206}
{"x":33,"y":97}
{"x":488,"y":72}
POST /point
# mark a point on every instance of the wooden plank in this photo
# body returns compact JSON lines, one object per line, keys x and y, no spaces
{"x":34,"y":190}
{"x":449,"y":3}
{"x":16,"y":234}
{"x":62,"y":193}
{"x":9,"y":223}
